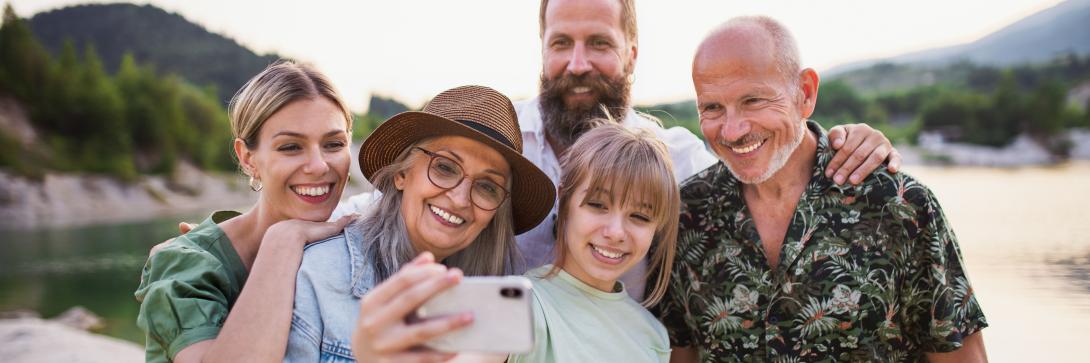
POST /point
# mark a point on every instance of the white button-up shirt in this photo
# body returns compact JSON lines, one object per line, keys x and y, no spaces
{"x":687,"y":151}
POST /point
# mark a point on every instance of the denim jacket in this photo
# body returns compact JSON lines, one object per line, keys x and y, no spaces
{"x":333,"y":276}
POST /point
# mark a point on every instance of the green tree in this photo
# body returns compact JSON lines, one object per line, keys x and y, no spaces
{"x":1085,"y":116}
{"x":1046,"y":107}
{"x":24,"y":63}
{"x":1006,"y":117}
{"x":957,"y":115}
{"x":207,"y":133}
{"x":838,"y":103}
{"x":108,"y":144}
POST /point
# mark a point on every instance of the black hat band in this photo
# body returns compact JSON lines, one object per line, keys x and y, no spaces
{"x":490,"y":132}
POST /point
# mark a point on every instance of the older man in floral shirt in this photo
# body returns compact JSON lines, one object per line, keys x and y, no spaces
{"x":776,"y":263}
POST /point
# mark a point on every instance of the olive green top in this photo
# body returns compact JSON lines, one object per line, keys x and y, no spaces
{"x":187,"y":289}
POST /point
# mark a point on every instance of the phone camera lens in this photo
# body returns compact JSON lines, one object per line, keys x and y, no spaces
{"x":510,"y":293}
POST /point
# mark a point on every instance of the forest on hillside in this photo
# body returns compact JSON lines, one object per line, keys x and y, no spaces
{"x":123,"y":120}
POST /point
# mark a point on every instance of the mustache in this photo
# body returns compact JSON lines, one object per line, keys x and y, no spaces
{"x":599,"y":85}
{"x":745,"y":140}
{"x":564,"y":123}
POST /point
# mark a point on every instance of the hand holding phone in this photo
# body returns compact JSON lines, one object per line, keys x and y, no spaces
{"x":502,"y":315}
{"x":381,"y":333}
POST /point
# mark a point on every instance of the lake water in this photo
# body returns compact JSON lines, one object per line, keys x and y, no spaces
{"x":1025,"y":235}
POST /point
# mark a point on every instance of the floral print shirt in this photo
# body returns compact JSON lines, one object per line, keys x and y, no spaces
{"x":866,"y":273}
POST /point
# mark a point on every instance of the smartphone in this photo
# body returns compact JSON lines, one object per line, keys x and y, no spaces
{"x":502,"y":315}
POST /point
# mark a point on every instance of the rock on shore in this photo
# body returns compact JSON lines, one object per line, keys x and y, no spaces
{"x":43,"y":341}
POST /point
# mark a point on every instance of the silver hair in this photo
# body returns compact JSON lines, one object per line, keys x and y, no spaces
{"x":387,"y":244}
{"x":788,"y":61}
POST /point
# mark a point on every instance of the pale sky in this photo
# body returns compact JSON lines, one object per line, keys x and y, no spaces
{"x":414,"y":49}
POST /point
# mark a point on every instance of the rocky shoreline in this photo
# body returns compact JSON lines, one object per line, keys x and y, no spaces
{"x":59,"y":200}
{"x":28,"y":338}
{"x":1022,"y":152}
{"x":64,"y":200}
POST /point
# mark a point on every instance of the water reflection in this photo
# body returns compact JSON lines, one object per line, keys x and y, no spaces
{"x":1026,"y":244}
{"x":98,"y":267}
{"x":1076,"y":270}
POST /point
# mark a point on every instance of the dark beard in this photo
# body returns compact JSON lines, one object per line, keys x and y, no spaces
{"x":564,"y":125}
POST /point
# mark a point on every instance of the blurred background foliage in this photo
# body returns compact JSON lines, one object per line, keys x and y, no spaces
{"x":128,"y":90}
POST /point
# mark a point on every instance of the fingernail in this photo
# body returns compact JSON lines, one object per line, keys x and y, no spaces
{"x":454,"y":275}
{"x":855,"y":179}
{"x":828,"y":172}
{"x":839,"y":179}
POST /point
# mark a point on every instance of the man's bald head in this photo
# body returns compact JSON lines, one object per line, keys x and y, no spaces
{"x":761,"y":40}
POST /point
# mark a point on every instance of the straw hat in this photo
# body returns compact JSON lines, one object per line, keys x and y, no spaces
{"x":479,"y":113}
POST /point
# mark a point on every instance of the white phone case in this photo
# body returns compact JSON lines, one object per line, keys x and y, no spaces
{"x":502,"y":321}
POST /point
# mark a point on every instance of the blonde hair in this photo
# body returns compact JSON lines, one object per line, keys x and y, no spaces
{"x":492,"y":253}
{"x":279,"y":84}
{"x":625,"y":163}
{"x":628,"y":20}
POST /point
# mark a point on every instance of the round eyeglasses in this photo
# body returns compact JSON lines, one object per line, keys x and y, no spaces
{"x":445,"y":173}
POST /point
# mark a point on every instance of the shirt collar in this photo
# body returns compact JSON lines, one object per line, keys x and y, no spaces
{"x":818,"y":181}
{"x":531,"y":122}
{"x":363,"y":278}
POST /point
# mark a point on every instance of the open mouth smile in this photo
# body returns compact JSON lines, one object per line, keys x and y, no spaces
{"x":313,"y":193}
{"x":608,"y":255}
{"x":749,"y":148}
{"x":445,"y":217}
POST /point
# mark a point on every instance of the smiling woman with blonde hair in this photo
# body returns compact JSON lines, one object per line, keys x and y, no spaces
{"x":226,"y":286}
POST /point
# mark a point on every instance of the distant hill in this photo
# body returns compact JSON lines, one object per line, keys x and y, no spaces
{"x":383,"y":107}
{"x":1064,"y":28}
{"x":154,"y":36}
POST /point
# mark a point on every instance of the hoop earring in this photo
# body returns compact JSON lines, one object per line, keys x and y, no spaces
{"x":255,"y":184}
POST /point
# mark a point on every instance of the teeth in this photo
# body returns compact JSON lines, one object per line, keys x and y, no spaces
{"x":583,"y":89}
{"x":613,"y":255}
{"x":312,"y":191}
{"x":446,"y":216}
{"x":751,"y":147}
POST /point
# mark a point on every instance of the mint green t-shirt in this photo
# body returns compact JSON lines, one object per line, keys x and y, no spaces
{"x":187,"y":289}
{"x":574,"y":322}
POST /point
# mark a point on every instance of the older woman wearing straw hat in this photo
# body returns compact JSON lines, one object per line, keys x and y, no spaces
{"x":455,"y":189}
